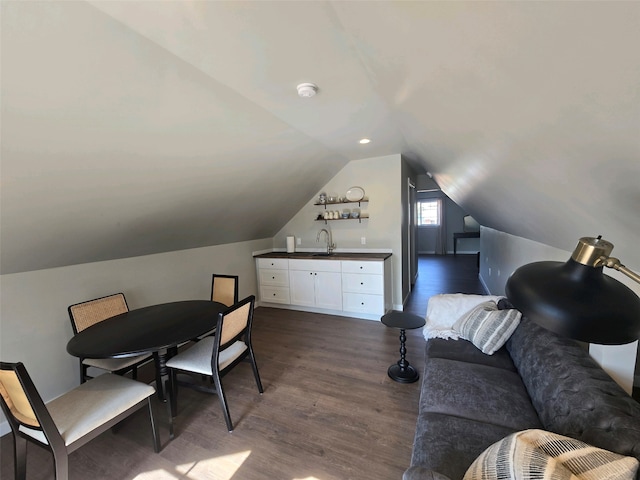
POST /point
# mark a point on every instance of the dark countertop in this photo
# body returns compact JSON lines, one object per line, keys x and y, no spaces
{"x":334,"y":256}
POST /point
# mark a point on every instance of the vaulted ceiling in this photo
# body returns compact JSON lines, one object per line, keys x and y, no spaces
{"x":131,"y":128}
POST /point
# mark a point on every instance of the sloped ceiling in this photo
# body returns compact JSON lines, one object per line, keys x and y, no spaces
{"x":131,"y":128}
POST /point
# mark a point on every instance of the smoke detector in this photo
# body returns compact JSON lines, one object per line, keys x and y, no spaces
{"x":307,"y":90}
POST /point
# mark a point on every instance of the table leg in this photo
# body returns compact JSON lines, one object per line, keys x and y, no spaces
{"x":403,"y":372}
{"x":160,"y":359}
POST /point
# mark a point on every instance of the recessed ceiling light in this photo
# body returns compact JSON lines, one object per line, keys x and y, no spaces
{"x":364,"y":141}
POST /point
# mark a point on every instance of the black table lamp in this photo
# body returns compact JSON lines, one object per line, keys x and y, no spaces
{"x":576,"y":299}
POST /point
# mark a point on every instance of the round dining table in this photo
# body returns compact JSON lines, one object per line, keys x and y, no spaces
{"x":157,"y":329}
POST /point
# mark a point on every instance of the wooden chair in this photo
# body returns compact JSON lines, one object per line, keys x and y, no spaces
{"x":85,"y":314}
{"x":216,"y":355}
{"x":224,"y":289}
{"x":68,"y":422}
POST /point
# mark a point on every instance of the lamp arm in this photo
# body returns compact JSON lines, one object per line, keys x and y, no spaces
{"x":614,"y":263}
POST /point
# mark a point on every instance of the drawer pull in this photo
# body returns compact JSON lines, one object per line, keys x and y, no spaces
{"x":273,"y":278}
{"x":361,"y":283}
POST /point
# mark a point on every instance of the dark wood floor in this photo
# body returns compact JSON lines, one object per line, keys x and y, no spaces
{"x":443,"y":274}
{"x":329,"y":410}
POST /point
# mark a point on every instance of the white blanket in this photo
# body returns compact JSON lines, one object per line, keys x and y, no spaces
{"x":443,"y":310}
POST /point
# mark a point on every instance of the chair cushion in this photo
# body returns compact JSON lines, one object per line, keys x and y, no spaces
{"x":93,"y":403}
{"x":487,"y":327}
{"x":197,"y":358}
{"x":113,"y":364}
{"x":537,"y":454}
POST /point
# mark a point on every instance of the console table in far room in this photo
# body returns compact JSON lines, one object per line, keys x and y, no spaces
{"x":459,"y":235}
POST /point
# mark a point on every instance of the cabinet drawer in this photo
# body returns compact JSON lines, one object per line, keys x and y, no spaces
{"x":274,"y":294}
{"x":277,"y":263}
{"x":363,"y":303}
{"x":274,"y":277}
{"x":315,"y":265}
{"x":362,"y":283}
{"x":353,"y":266}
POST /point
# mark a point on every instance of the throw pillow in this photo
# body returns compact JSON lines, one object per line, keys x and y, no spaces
{"x":487,"y":327}
{"x":444,"y":309}
{"x":540,"y":455}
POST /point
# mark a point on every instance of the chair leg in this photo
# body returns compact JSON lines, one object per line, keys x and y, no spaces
{"x":61,"y":464}
{"x":154,"y":428}
{"x":173,"y":393}
{"x":159,"y":386}
{"x":254,"y":366}
{"x":83,"y":372}
{"x":20,"y":457}
{"x":223,"y":400}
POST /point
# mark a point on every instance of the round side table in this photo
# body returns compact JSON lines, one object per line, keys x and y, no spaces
{"x":403,"y":372}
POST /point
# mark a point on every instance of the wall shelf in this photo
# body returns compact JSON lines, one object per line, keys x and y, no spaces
{"x":325,"y":220}
{"x":364,"y":200}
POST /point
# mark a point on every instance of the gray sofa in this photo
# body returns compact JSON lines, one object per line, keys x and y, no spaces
{"x":470,"y":400}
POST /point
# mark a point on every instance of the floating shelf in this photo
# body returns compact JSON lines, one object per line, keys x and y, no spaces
{"x":364,"y":200}
{"x":360,"y":218}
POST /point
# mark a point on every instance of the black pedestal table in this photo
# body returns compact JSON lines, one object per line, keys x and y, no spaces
{"x":157,"y":329}
{"x":402,"y":371}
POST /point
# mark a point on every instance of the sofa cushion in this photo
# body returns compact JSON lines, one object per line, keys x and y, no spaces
{"x":571,"y":393}
{"x":465,"y":351}
{"x":477,"y":392}
{"x":448,"y":444}
{"x":538,"y":454}
{"x":487,"y":327}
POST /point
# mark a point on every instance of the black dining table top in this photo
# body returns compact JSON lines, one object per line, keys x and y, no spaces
{"x":147,"y":329}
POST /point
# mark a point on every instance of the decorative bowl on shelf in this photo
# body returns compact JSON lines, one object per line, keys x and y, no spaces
{"x":355,"y":214}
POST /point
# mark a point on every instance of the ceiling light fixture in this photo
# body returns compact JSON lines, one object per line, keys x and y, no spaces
{"x":307,"y":90}
{"x":364,"y":141}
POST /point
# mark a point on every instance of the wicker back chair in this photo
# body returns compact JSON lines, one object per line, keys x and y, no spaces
{"x":224,"y":289}
{"x":216,"y":355}
{"x":85,"y":314}
{"x":71,"y":420}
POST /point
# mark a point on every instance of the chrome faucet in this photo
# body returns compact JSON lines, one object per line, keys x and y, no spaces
{"x":330,"y":244}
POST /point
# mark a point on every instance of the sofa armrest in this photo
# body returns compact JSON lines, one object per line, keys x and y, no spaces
{"x":422,"y":473}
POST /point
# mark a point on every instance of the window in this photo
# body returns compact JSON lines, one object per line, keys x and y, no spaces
{"x":429,"y":212}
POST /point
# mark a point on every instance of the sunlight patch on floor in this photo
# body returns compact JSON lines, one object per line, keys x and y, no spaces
{"x":159,"y":474}
{"x":222,"y":467}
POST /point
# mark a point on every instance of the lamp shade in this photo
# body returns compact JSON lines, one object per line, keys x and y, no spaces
{"x":577,"y":301}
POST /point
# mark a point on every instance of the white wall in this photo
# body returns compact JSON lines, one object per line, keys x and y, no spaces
{"x":34,"y":323}
{"x":502,"y":253}
{"x":380,"y":177}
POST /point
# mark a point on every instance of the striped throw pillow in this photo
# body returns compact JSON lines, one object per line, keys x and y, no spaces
{"x":487,"y":327}
{"x":540,"y":455}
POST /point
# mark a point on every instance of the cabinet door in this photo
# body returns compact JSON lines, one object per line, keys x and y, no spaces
{"x":302,"y":287}
{"x":328,"y":290}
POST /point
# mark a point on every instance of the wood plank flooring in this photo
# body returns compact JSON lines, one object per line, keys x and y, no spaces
{"x":329,"y":411}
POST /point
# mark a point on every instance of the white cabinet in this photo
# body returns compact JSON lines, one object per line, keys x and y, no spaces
{"x":363,"y":287}
{"x":353,"y":288}
{"x":273,"y":280}
{"x":316,"y":283}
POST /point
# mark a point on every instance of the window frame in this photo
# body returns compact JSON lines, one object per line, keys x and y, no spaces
{"x":438,"y":210}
